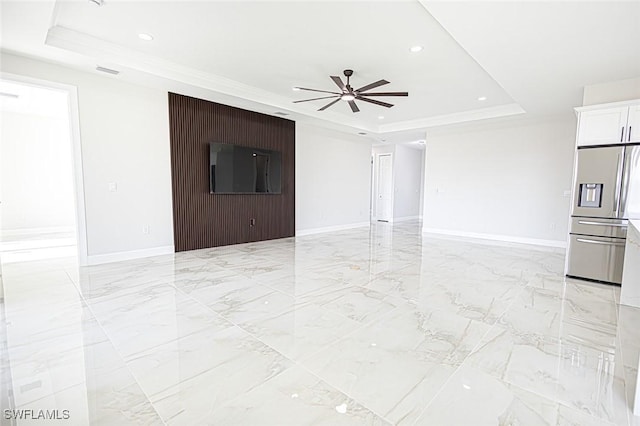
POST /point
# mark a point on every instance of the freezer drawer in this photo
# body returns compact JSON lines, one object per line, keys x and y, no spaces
{"x":601,"y":227}
{"x":596,"y":258}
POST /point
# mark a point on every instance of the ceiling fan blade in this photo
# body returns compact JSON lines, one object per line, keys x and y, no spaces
{"x":373,"y":101}
{"x":372,"y":85}
{"x":316,"y":90}
{"x":328,"y":105}
{"x":353,"y":106}
{"x":315,"y":99}
{"x":385,"y":94}
{"x":338,"y":81}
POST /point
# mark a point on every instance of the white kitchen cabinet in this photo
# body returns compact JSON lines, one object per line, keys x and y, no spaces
{"x":633,"y":124}
{"x":609,"y":124}
{"x":603,"y":126}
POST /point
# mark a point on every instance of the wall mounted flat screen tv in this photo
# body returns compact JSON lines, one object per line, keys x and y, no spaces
{"x":237,"y":169}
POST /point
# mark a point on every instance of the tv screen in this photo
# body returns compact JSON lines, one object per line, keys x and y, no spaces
{"x":237,"y":169}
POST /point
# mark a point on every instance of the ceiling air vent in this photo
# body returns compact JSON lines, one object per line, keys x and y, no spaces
{"x":107,"y":70}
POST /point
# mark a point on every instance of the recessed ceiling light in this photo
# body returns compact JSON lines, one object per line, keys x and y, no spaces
{"x":482,"y":98}
{"x":381,"y":117}
{"x":145,"y":36}
{"x":295,"y":89}
{"x":416,"y":48}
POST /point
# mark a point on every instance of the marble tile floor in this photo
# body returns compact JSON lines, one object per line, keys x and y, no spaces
{"x":365,"y":326}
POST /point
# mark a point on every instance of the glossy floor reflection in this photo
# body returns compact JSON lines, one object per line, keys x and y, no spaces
{"x":366,"y":326}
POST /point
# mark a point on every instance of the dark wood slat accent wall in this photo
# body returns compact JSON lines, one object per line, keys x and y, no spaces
{"x":201,"y":219}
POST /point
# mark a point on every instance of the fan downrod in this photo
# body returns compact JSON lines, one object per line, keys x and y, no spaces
{"x":348,"y":73}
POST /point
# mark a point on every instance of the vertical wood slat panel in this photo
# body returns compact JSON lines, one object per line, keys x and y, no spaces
{"x":202,"y":220}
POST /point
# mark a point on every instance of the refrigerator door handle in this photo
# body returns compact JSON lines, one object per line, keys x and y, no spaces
{"x":616,"y":193}
{"x":617,"y":225}
{"x":629,"y":185}
{"x":603,"y":243}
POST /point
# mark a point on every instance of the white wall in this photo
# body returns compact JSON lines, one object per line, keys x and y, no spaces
{"x":613,"y":91}
{"x":505,"y":180}
{"x":407,"y":182}
{"x":332,"y":179}
{"x":36,"y":174}
{"x":125,"y":140}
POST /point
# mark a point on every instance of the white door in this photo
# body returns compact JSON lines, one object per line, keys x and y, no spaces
{"x":384,"y":201}
{"x":604,"y":126}
{"x":633,"y":129}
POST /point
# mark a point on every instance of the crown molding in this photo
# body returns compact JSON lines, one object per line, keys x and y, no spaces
{"x":455,"y":118}
{"x":618,"y":104}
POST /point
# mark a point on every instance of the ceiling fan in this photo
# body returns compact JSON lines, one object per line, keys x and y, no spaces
{"x":347,"y":93}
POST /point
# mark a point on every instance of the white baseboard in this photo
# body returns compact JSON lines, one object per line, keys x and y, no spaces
{"x":35,"y":231}
{"x":406,"y":218}
{"x":496,"y":237}
{"x":99,"y":259}
{"x":312,"y":231}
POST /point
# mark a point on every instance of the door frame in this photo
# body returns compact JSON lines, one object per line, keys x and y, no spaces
{"x":76,"y":152}
{"x":375,"y":185}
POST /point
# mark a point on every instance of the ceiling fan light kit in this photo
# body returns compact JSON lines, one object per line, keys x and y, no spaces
{"x":348,"y":94}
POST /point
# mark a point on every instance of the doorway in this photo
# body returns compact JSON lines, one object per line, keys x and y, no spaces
{"x":41,"y":187}
{"x":384,"y":188}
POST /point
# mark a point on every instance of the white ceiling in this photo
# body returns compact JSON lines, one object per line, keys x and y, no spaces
{"x":523,"y":56}
{"x":544,"y":52}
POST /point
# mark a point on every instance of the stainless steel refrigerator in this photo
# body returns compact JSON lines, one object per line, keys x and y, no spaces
{"x":606,"y":195}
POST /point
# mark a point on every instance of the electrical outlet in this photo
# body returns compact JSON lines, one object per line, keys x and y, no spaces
{"x":146,"y":229}
{"x":113,"y":187}
{"x":552,"y":226}
{"x":252,"y":222}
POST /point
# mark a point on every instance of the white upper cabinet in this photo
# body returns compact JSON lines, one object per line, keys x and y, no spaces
{"x":609,"y":124}
{"x":633,"y":124}
{"x":603,"y":126}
